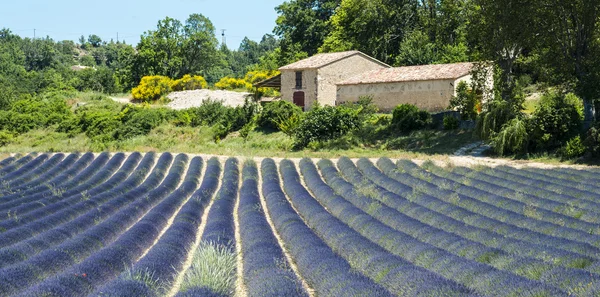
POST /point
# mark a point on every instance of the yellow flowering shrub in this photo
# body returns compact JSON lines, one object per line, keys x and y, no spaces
{"x":152,"y":88}
{"x":257,"y":76}
{"x":188,"y":82}
{"x":230,"y":83}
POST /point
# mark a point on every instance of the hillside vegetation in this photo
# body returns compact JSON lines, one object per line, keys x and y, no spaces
{"x":552,"y":45}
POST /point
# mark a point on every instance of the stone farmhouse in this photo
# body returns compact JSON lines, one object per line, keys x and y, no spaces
{"x":336,"y":78}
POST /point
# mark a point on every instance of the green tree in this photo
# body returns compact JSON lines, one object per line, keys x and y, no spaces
{"x":119,"y":58}
{"x":39,"y":53}
{"x":302,"y":25}
{"x":95,"y":40}
{"x":500,"y":31}
{"x":567,"y":32}
{"x":376,"y":27}
{"x":159,"y":51}
{"x":416,"y":49}
{"x":200,"y":46}
{"x":175,"y":49}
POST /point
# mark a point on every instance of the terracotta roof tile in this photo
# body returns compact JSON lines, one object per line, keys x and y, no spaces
{"x":319,"y":60}
{"x":411,"y":73}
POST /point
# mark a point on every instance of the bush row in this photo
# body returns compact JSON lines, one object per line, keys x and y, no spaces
{"x":77,"y":179}
{"x":73,"y":201}
{"x":482,"y":205}
{"x":54,"y":260}
{"x":431,"y":184}
{"x":365,"y":234}
{"x":35,"y":181}
{"x":434,"y":197}
{"x":219,"y":231}
{"x":431,"y":211}
{"x":553,"y":184}
{"x":307,"y":248}
{"x":156,"y":271}
{"x":426,"y":247}
{"x":534,"y":193}
{"x":126,"y":235}
{"x":546,"y":271}
{"x":29,"y":165}
{"x":35,"y":171}
{"x":266,"y":271}
{"x":16,"y":164}
{"x":487,"y":196}
{"x":63,"y":225}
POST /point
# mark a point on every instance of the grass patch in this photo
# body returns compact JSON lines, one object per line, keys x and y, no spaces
{"x":47,"y":140}
{"x":213,"y":267}
{"x":199,"y":140}
{"x":146,"y":277}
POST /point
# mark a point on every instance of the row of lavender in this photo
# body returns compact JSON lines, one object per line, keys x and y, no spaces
{"x":129,"y":226}
{"x":117,"y":227}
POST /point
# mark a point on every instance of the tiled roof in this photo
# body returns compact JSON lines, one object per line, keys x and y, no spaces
{"x":411,"y":73}
{"x":320,"y":60}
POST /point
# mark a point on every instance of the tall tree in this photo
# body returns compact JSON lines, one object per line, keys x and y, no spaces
{"x":200,"y":45}
{"x":302,"y":25}
{"x":568,"y":30}
{"x":95,"y":40}
{"x":175,"y":49}
{"x":376,"y":27}
{"x":500,"y":31}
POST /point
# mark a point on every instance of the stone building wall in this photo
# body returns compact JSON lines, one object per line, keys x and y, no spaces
{"x":330,"y":75}
{"x":309,"y":85}
{"x":431,"y":95}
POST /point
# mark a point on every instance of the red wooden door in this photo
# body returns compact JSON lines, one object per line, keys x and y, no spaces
{"x":299,"y":99}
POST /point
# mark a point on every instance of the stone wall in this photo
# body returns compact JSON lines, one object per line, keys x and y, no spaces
{"x":330,"y":75}
{"x":433,"y":95}
{"x":309,"y":85}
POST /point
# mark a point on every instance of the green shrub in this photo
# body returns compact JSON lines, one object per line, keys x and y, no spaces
{"x":465,"y":102}
{"x":555,"y":120}
{"x":220,"y":132}
{"x":27,"y":114}
{"x":274,"y":112}
{"x":181,"y":118}
{"x":289,"y":125}
{"x":491,"y":121}
{"x":573,"y":149}
{"x":140,"y":121}
{"x":408,"y":117}
{"x":364,"y":107}
{"x":451,"y":122}
{"x":5,"y":137}
{"x":247,"y":128}
{"x":208,"y":113}
{"x":100,"y":126}
{"x":326,"y":123}
{"x":513,"y":138}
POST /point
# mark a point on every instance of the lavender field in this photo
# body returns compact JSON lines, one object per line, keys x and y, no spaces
{"x":116,"y":224}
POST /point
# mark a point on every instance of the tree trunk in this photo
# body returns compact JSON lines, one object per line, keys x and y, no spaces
{"x":588,"y":113}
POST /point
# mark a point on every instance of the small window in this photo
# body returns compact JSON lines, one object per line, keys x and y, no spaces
{"x":298,"y":79}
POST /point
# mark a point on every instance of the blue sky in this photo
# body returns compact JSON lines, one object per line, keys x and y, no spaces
{"x":69,"y":19}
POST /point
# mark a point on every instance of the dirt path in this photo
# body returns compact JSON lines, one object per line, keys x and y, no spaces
{"x":121,"y":100}
{"x":187,"y":99}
